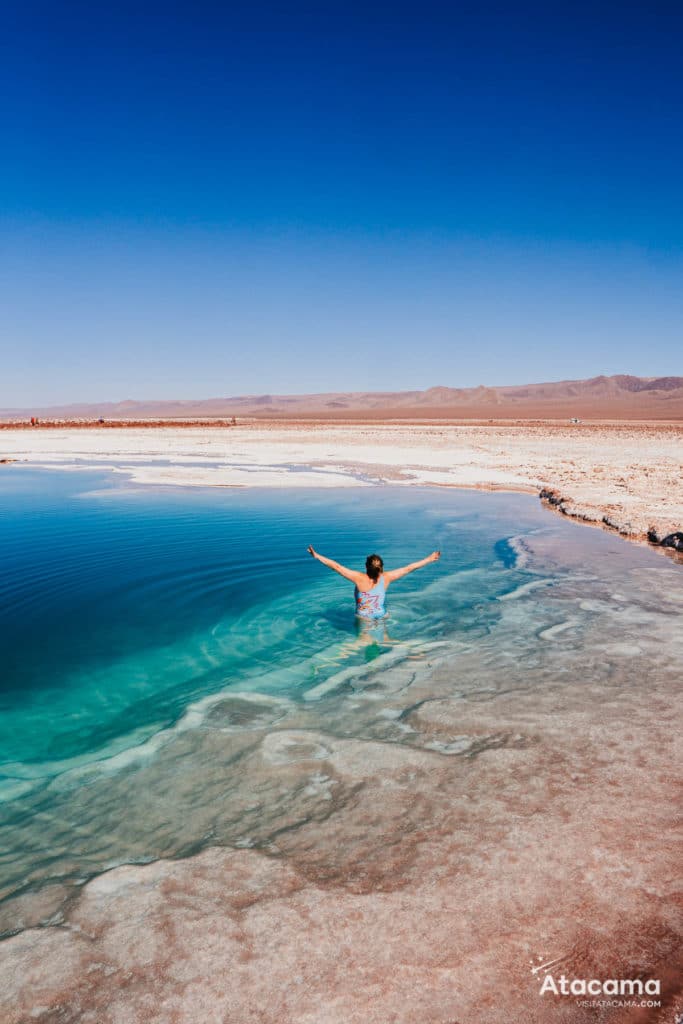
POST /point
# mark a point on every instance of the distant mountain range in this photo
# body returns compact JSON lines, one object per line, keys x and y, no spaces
{"x":616,"y":397}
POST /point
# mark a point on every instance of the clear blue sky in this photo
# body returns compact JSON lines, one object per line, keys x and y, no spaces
{"x":225,"y":198}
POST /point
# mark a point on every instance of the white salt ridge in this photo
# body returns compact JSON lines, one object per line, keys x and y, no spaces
{"x":129,"y":749}
{"x":524,"y":589}
{"x":561,"y":627}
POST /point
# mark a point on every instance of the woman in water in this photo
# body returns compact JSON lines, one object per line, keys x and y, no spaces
{"x":371,"y":585}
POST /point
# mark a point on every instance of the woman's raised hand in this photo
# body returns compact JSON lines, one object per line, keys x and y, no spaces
{"x":311,"y":551}
{"x":435,"y":556}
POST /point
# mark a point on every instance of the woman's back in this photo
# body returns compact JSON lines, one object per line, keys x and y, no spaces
{"x":370,"y":602}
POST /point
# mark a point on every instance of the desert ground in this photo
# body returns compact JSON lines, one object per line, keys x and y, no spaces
{"x":626,"y":476}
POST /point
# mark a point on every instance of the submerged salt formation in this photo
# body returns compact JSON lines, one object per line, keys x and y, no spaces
{"x":407,"y":844}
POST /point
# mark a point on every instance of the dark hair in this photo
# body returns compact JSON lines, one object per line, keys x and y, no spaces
{"x":374,"y":566}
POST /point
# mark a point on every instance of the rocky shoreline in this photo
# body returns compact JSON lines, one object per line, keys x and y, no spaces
{"x":656,"y":535}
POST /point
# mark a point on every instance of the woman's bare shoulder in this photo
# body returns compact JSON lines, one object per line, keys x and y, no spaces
{"x":364,"y":583}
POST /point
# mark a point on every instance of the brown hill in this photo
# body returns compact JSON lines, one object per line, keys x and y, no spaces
{"x":615,"y":397}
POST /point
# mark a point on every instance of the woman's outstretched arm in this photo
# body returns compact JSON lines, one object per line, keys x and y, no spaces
{"x":348,"y":574}
{"x":396,"y":574}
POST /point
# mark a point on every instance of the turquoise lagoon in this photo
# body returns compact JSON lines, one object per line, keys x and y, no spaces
{"x":122,"y":607}
{"x":152,"y":637}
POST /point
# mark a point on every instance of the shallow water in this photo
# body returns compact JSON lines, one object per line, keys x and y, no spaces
{"x":180,"y":675}
{"x":127,"y":612}
{"x":122,"y":606}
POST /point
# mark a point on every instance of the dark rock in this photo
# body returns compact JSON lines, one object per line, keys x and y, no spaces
{"x":552,"y":497}
{"x":671,"y":540}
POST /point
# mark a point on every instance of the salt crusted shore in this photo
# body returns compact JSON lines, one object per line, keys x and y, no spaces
{"x":625,"y":476}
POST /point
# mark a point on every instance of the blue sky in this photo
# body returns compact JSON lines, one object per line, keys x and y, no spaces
{"x":216,"y":199}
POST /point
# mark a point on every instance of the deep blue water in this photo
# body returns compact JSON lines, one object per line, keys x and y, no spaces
{"x":120,"y":606}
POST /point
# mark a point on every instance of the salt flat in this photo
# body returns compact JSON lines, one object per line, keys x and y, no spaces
{"x":630,"y":474}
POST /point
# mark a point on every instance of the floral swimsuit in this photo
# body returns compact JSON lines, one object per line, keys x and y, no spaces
{"x":370,"y":605}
